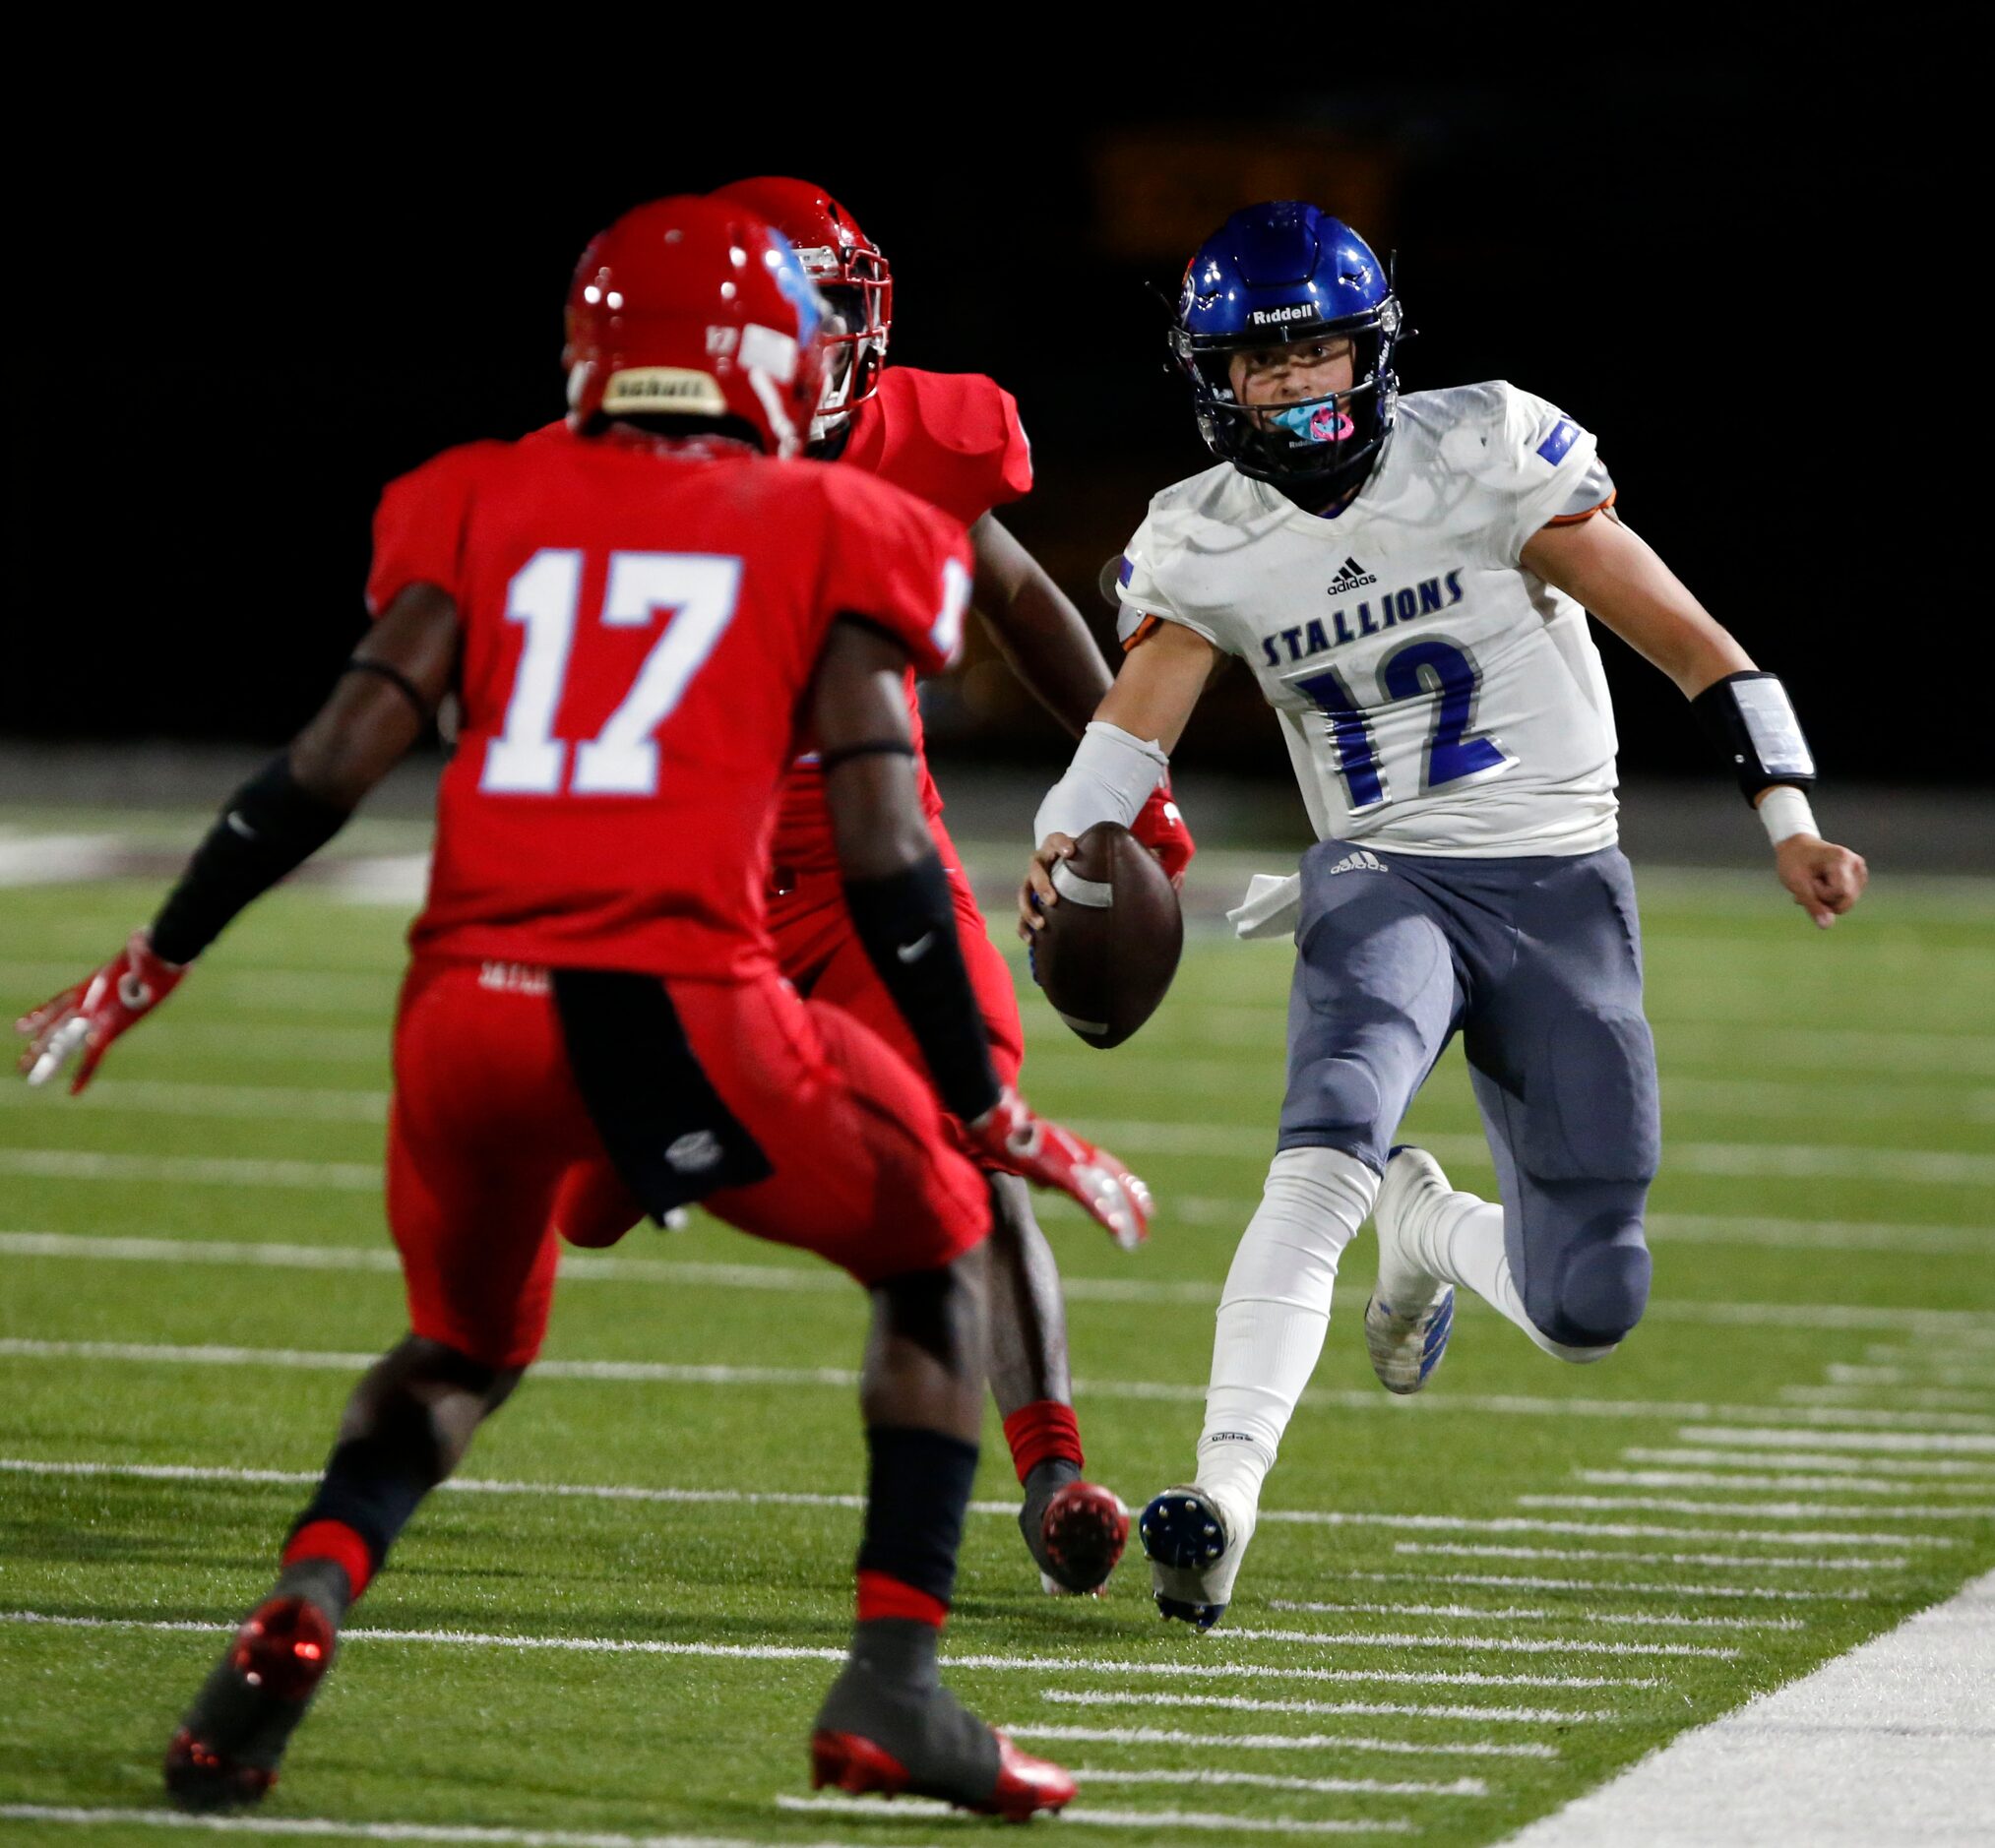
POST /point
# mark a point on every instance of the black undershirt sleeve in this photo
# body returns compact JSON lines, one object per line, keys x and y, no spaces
{"x":267,"y":830}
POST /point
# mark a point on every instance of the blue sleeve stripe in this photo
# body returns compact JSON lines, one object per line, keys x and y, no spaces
{"x":1565,"y":433}
{"x":1127,"y":572}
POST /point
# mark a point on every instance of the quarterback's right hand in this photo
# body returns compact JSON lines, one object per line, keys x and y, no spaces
{"x":93,"y":1014}
{"x":1037,"y":890}
{"x":1050,"y":1156}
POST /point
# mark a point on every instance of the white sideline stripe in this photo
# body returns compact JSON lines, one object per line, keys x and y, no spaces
{"x":1459,"y":1549}
{"x":1865,"y":1466}
{"x":1198,"y":1821}
{"x":1789,"y":1481}
{"x":1940,"y":1167}
{"x":1311,"y":1518}
{"x":1525,"y":1614}
{"x":1847,"y":1235}
{"x":1890,"y":1742}
{"x":577,"y":1266}
{"x":1320,"y":1709}
{"x":1279,"y":1742}
{"x":1840,"y":1372}
{"x":670,"y":1374}
{"x":1776,"y":1437}
{"x":474,"y":1836}
{"x":1506,"y":1645}
{"x":798,"y":1652}
{"x":261,"y":1103}
{"x":822,"y":1279}
{"x":1938,"y":1398}
{"x":76,"y":1164}
{"x":1759,"y":1511}
{"x":1273,"y":1780}
{"x":1608,"y":1587}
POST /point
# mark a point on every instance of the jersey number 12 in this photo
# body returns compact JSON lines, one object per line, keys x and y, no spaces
{"x":1429,"y":668}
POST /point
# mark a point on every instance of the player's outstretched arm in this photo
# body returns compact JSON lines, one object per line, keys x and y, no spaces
{"x":1622,"y":582}
{"x":379,"y":707}
{"x":904,"y":915}
{"x":1049,"y":646}
{"x":1124,"y":750}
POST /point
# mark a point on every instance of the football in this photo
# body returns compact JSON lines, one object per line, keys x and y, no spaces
{"x":1112,"y":944}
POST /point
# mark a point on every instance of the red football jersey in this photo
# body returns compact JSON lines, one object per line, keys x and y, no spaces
{"x":954,"y":438}
{"x":641,"y":622}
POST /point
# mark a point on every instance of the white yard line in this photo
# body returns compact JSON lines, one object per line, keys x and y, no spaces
{"x":314,"y":1827}
{"x":77,"y":1164}
{"x":260,"y":1103}
{"x":198,"y":1354}
{"x":1461,"y":1549}
{"x":1281,"y":1742}
{"x":1506,"y":1645}
{"x":1606,"y":1588}
{"x":1932,"y":1398}
{"x":1779,"y":1437}
{"x":1090,"y":1775}
{"x":1195,"y":1822}
{"x":795,"y":1652}
{"x":1755,"y":1511}
{"x":1320,"y":1710}
{"x":1840,"y":1372}
{"x":1894,"y":1741}
{"x":1780,"y":1482}
{"x":1850,"y":1235}
{"x":1920,"y":1467}
{"x":1524,"y":1614}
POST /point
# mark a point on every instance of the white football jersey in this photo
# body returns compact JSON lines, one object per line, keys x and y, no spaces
{"x":1436,"y":696}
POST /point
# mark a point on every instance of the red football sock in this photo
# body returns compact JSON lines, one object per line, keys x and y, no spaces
{"x":1041,"y":1432}
{"x":336,"y":1541}
{"x":881,"y":1594}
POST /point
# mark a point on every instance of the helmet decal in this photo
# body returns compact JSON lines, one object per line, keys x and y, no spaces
{"x":796,"y":286}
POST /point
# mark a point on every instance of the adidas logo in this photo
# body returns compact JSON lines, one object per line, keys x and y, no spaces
{"x":1350,"y":576}
{"x":1358,"y":862}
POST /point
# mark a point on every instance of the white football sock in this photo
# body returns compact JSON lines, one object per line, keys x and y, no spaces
{"x":1459,"y":1238}
{"x":1273,"y":1314}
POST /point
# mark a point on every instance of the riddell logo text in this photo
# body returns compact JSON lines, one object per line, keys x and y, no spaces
{"x":1275,"y":317}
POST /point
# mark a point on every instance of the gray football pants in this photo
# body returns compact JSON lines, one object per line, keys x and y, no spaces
{"x":1538,"y":962}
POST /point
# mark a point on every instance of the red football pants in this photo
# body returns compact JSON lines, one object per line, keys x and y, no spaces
{"x":490,"y":1148}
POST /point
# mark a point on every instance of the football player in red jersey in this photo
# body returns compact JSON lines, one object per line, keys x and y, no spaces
{"x":636,"y":611}
{"x":954,"y":440}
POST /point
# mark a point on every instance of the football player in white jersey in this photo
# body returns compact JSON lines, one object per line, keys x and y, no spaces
{"x":1410,"y":579}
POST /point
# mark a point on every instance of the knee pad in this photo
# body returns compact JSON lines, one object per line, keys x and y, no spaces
{"x":1602,"y":1290}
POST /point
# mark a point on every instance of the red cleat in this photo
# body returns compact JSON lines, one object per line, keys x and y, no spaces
{"x":1082,"y":1535}
{"x":226,"y":1753}
{"x":1025,"y":1785}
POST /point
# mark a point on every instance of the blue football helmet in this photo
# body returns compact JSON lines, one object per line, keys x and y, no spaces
{"x":1277,"y":272}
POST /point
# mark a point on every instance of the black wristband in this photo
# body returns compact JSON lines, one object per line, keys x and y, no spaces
{"x":906,"y":922}
{"x":268,"y":829}
{"x":1751,"y":722}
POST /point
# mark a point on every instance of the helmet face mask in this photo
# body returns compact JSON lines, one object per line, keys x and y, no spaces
{"x":849,"y":271}
{"x":1279,"y":275}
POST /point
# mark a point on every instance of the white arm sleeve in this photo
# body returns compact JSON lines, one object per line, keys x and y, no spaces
{"x":1110,"y":780}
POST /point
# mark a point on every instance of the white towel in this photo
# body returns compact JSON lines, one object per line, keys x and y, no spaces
{"x":1273,"y":907}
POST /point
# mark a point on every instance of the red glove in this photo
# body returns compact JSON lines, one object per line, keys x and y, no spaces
{"x":95,"y":1013}
{"x":1050,"y":1156}
{"x":1161,"y":828}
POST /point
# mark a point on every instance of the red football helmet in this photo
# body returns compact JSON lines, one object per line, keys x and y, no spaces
{"x":851,"y":273}
{"x":694,"y":307}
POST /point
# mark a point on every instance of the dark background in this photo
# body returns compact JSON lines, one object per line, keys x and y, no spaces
{"x":1736,"y":271}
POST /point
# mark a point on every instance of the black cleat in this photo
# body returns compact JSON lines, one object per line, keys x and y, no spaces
{"x":888,"y":1725}
{"x":226,"y":1753}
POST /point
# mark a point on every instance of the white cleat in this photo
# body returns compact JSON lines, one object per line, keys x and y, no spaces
{"x":1195,"y":1552}
{"x":1410,"y":1315}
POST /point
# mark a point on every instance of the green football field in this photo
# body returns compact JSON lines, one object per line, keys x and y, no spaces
{"x":1460,"y":1611}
